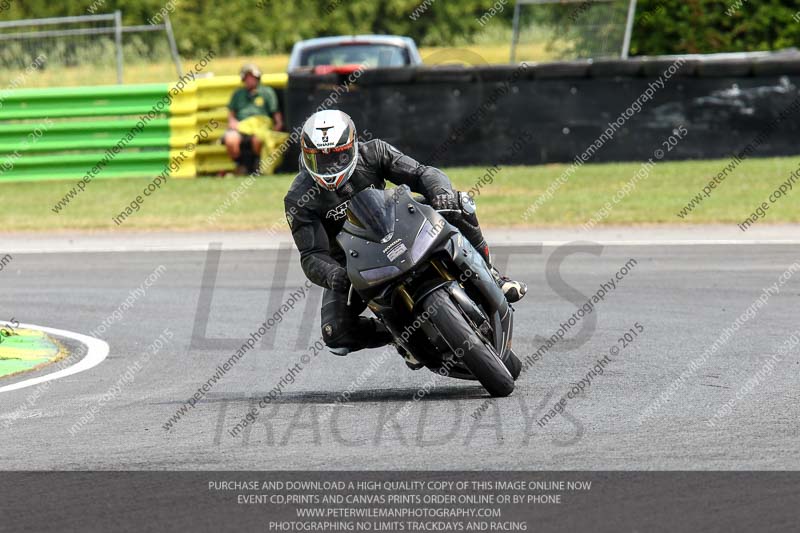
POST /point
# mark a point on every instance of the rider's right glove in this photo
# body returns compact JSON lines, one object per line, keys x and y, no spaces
{"x":338,"y":280}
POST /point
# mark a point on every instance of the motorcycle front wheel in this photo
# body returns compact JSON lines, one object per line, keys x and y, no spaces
{"x":480,"y":358}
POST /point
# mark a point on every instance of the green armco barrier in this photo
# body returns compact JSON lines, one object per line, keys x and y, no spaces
{"x":94,"y":135}
{"x":109,"y":131}
{"x":104,"y":100}
{"x":73,"y":166}
{"x":63,"y":132}
{"x":82,"y":136}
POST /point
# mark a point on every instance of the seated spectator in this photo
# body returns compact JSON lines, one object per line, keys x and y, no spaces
{"x":252,"y":103}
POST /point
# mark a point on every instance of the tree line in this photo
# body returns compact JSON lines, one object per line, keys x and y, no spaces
{"x":255,"y":27}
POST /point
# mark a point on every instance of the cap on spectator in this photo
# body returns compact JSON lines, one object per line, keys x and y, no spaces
{"x":250,"y":68}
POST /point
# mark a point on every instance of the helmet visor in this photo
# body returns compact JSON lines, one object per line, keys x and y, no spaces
{"x":330,"y":162}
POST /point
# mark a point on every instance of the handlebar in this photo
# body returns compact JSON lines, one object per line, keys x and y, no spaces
{"x":419,"y":198}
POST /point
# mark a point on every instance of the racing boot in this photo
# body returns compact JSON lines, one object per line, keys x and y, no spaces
{"x":467,"y":223}
{"x":366,"y":333}
{"x":513,"y":290}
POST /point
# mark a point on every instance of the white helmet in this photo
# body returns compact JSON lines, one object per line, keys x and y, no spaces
{"x":330,"y":148}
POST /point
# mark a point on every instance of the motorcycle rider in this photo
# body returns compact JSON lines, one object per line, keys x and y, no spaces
{"x":334,"y":166}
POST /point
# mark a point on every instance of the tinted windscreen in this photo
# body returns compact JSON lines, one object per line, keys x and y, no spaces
{"x":375,"y":212}
{"x":369,"y":55}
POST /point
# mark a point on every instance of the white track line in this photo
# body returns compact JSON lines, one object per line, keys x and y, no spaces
{"x":97,"y":352}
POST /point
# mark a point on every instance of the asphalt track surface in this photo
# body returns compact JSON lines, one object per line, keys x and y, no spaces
{"x":682,"y":295}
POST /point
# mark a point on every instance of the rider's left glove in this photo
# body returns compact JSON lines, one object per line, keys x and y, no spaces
{"x":446,"y":203}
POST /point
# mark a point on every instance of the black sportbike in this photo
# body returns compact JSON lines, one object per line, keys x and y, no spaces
{"x":430,"y":287}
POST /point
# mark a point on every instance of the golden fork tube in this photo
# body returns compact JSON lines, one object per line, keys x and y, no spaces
{"x":442,"y":270}
{"x":406,"y":297}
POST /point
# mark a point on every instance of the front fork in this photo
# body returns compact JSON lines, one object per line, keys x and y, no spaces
{"x":470,"y":269}
{"x":473,"y":267}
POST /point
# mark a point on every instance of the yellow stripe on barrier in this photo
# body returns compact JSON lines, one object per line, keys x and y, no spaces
{"x":204,"y":119}
{"x":185,"y":102}
{"x":184,"y":163}
{"x":212,"y":158}
{"x":182,"y":130}
{"x":277,"y":80}
{"x":216,"y":91}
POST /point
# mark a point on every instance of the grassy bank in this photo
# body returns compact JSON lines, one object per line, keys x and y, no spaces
{"x":656,"y":198}
{"x":164,"y":71}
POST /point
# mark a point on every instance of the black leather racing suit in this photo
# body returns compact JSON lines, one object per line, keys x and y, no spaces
{"x":316,"y":215}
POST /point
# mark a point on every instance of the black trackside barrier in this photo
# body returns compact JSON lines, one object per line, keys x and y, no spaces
{"x":453,"y":115}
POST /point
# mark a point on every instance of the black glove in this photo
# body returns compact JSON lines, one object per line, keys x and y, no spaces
{"x":446,"y":203}
{"x":338,"y":280}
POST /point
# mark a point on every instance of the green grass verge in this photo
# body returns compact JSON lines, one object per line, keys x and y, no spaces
{"x":26,"y":350}
{"x":186,"y":204}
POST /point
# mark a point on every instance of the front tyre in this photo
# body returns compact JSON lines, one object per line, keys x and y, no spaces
{"x":513,"y":364}
{"x":481,"y":359}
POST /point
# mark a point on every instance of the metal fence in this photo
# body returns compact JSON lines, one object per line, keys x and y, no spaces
{"x":608,"y":22}
{"x":81,"y":40}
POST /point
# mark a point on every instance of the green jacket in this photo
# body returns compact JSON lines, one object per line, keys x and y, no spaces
{"x":262,"y":101}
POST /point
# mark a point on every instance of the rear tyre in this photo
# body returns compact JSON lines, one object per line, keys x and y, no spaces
{"x":481,"y":359}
